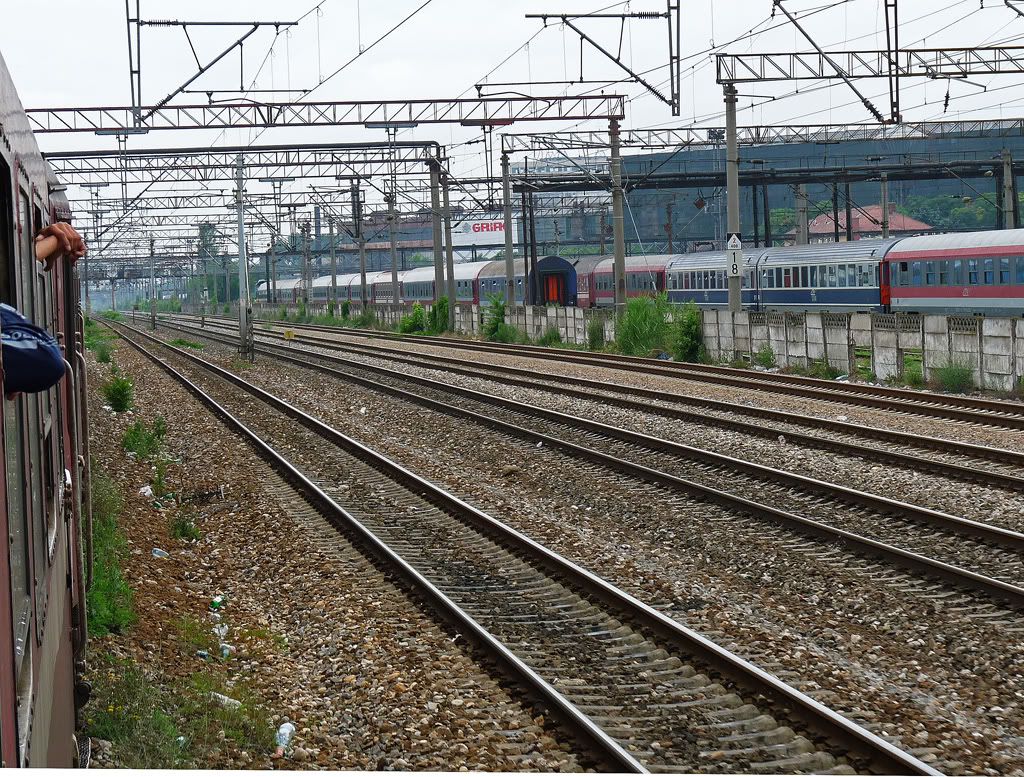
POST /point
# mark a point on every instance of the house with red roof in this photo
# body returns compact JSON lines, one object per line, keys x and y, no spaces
{"x":867,"y":223}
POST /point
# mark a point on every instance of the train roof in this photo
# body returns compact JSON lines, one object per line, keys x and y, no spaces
{"x":819,"y":253}
{"x":640,"y":262}
{"x":418,"y":274}
{"x":707,"y":260}
{"x":344,"y":279}
{"x":496,"y":268}
{"x":469,"y":270}
{"x":996,"y":238}
{"x":289,"y":283}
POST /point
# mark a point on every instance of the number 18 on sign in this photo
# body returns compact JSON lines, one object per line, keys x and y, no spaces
{"x":734,"y":256}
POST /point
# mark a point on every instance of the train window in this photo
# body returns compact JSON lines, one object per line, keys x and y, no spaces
{"x":972,"y":272}
{"x":805,"y":276}
{"x":989,"y":271}
{"x":958,"y":272}
{"x":812,"y":276}
{"x":7,"y":282}
{"x":877,"y":272}
{"x":943,"y":273}
{"x":767,"y":279}
{"x":1019,"y":275}
{"x":841,"y":275}
{"x":831,"y":276}
{"x":915,"y":273}
{"x":1004,"y":270}
{"x":929,"y":273}
{"x":786,"y":279}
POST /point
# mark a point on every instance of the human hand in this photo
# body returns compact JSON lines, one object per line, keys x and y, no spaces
{"x":57,"y":241}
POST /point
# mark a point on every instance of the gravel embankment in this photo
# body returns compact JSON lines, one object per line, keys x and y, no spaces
{"x":939,"y":671}
{"x":370,"y":681}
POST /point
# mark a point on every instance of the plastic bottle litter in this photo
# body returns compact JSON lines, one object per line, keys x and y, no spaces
{"x":158,"y":553}
{"x":218,"y":602}
{"x":146,"y":491}
{"x":225,"y":701}
{"x":226,"y":649}
{"x":285,"y":732}
{"x":203,"y":654}
{"x":221,"y":630}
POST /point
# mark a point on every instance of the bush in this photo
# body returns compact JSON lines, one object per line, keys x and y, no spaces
{"x":346,"y":309}
{"x":913,"y":375}
{"x":110,"y":597}
{"x":365,"y":320}
{"x":227,"y":310}
{"x":644,"y":326}
{"x":550,"y":337}
{"x":595,"y":334}
{"x":954,"y":377}
{"x":765,"y":357}
{"x":282,"y":313}
{"x":687,"y":336}
{"x":104,"y":351}
{"x":144,"y":441}
{"x":119,"y":393}
{"x":183,"y":527}
{"x":416,"y":321}
{"x":494,"y":319}
{"x":112,"y":315}
{"x":439,"y":317}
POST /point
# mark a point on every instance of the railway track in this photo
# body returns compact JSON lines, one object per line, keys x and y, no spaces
{"x":978,"y":410}
{"x":961,"y":461}
{"x":823,"y":510}
{"x":641,"y":690}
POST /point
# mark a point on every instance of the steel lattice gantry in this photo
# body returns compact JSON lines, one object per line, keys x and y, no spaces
{"x":759,"y":136}
{"x":364,"y":160}
{"x":485,"y":111}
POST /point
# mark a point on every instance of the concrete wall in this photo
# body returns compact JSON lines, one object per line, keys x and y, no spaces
{"x":883,"y":342}
{"x":992,"y":347}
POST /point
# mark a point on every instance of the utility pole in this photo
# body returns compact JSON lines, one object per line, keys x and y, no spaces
{"x":392,"y":218}
{"x":446,"y":211}
{"x":618,"y":218}
{"x":152,"y":284}
{"x":802,"y":238}
{"x":276,"y":182}
{"x":435,"y":224}
{"x":357,"y":230}
{"x":835,"y":209}
{"x":734,"y":244}
{"x":1009,"y":222}
{"x":334,"y":266}
{"x":885,"y":206}
{"x":849,"y":214}
{"x":668,"y":225}
{"x":510,"y":269}
{"x":245,"y":338}
{"x":305,"y":261}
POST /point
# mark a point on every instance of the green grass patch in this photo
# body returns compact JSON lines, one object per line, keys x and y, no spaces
{"x":595,"y":335}
{"x":495,"y":329}
{"x":550,"y":338}
{"x":172,"y":725}
{"x":183,"y":527}
{"x":765,"y":357}
{"x":644,"y":327}
{"x":955,"y":377}
{"x":862,"y":363}
{"x":820,"y":368}
{"x":119,"y":392}
{"x":112,"y":315}
{"x":144,"y":440}
{"x":181,"y":342}
{"x":110,"y":603}
{"x":365,"y":320}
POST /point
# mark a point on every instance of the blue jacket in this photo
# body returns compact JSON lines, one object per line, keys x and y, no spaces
{"x":32,"y":358}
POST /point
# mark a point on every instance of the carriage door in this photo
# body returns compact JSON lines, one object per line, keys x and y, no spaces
{"x":554,"y":288}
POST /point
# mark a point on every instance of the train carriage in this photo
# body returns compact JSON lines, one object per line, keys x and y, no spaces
{"x":44,"y":477}
{"x":701,"y":278}
{"x":492,"y":280}
{"x":645,"y":275}
{"x":975,"y":272}
{"x":841,"y":277}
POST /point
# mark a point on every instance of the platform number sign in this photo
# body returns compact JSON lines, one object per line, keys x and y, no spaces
{"x":734,"y":255}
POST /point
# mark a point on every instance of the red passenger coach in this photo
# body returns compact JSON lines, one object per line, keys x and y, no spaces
{"x":44,"y":475}
{"x":972,"y":272}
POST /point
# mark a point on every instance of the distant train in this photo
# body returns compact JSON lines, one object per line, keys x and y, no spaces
{"x":44,"y":477}
{"x":969,"y":272}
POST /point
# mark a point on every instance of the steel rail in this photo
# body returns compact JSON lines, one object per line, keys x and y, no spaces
{"x":881,"y":753}
{"x":388,"y":560}
{"x":988,"y":412}
{"x":997,"y":589}
{"x":529,"y":378}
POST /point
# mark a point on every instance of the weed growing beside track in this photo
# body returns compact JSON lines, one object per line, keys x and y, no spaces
{"x":110,"y":602}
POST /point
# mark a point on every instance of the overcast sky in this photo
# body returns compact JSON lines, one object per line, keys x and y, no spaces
{"x":73,"y":53}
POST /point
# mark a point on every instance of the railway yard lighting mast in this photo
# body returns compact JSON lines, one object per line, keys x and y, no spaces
{"x":276,"y":182}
